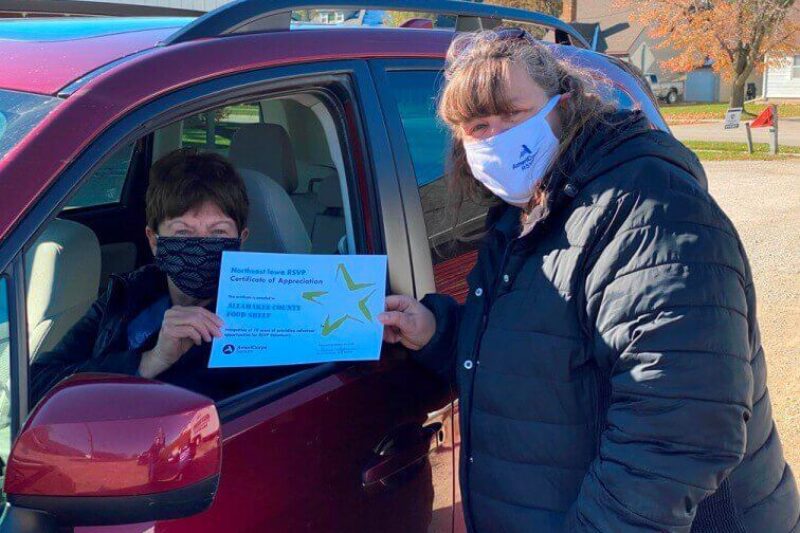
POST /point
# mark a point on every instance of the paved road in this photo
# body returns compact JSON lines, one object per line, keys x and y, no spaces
{"x":788,"y":132}
{"x":762,"y":198}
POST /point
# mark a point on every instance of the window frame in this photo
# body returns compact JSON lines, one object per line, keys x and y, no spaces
{"x":18,"y":351}
{"x":421,"y":260}
{"x":794,"y":72}
{"x":425,"y":273}
{"x":366,"y":158}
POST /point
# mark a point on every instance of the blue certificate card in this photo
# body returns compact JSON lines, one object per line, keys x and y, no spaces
{"x":288,"y":309}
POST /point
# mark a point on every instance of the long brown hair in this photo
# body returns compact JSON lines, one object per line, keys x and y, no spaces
{"x":476,"y":71}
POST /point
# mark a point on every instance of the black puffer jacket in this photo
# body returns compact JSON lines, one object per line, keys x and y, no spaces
{"x":610,"y":372}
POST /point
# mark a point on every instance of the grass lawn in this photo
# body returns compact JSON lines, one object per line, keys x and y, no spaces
{"x":687,"y":113}
{"x":723,"y":151}
{"x":197,"y":137}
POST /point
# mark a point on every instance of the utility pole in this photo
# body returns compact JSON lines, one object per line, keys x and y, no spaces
{"x":773,"y":130}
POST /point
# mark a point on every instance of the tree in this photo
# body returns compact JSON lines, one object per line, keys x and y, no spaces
{"x":735,"y":36}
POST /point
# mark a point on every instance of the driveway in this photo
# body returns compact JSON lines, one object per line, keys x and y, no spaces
{"x":762,"y":198}
{"x":788,"y":132}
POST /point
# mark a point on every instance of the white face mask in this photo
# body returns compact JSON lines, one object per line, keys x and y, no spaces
{"x":511,"y":163}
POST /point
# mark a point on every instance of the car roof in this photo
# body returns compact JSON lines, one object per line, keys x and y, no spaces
{"x":43,"y":55}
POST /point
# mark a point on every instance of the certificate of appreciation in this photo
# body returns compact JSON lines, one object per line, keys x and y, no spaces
{"x":286,"y":309}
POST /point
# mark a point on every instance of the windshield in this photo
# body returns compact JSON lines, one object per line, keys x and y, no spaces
{"x":19,"y":113}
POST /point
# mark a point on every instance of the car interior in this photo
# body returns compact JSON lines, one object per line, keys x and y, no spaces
{"x":288,"y":152}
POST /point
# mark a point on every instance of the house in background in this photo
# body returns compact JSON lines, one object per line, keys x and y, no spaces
{"x":609,"y":30}
{"x":357,"y":17}
{"x":782,"y":80}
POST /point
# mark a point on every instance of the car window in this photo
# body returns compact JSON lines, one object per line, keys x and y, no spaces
{"x":214,"y":130}
{"x":299,"y":203}
{"x":105,"y":186}
{"x":415,"y":93}
{"x":5,"y":382}
{"x":452,"y":242}
{"x":19,"y":113}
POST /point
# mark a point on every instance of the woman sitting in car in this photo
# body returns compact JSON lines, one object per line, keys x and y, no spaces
{"x":158,"y":321}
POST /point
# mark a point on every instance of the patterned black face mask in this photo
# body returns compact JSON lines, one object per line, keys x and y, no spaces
{"x":192,"y":263}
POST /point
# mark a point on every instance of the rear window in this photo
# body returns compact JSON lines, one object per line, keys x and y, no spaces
{"x":19,"y":113}
{"x":213,"y":131}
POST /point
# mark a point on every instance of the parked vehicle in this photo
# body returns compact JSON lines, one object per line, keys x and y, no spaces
{"x":86,"y":106}
{"x":669,"y":92}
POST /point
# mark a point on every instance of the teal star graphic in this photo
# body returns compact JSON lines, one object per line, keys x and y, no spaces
{"x":350,"y":287}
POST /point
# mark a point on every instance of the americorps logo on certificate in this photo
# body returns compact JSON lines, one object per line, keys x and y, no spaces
{"x":286,"y":309}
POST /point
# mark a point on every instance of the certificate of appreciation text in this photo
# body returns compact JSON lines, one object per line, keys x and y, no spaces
{"x":285,"y":309}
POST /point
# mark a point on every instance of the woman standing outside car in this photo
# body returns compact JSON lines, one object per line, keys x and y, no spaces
{"x":608,"y":360}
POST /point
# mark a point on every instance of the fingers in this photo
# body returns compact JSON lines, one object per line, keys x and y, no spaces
{"x":198,"y":312}
{"x":399,"y":302}
{"x":174,"y":324}
{"x":391,"y":335}
{"x":396,"y":319}
{"x":188,"y":332}
{"x":206,"y":323}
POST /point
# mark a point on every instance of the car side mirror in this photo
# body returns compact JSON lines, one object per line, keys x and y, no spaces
{"x":104,"y":449}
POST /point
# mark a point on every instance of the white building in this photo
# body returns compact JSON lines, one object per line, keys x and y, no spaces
{"x":781,"y":77}
{"x":783,"y":80}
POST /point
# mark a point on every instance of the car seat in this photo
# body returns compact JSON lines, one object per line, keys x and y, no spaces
{"x":329,"y":225}
{"x":62,"y":277}
{"x":273,"y":222}
{"x":267,"y":148}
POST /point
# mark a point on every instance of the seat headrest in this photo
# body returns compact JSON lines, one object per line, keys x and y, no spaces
{"x":329,"y":192}
{"x":273,"y":222}
{"x":265,"y":148}
{"x":64,"y":267}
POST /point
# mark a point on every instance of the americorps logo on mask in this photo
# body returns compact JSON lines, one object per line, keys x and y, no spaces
{"x":513,"y":161}
{"x":525,"y":159}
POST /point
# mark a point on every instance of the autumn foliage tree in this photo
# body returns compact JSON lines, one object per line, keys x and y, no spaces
{"x":738,"y":36}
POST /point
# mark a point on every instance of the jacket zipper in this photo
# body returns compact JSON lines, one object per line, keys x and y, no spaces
{"x":486,"y":306}
{"x":490,"y":296}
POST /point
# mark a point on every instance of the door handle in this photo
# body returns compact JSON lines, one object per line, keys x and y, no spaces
{"x":397,"y":453}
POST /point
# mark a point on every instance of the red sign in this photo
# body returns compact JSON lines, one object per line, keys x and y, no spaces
{"x":765,"y":119}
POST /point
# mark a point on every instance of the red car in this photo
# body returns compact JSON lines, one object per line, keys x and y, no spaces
{"x":355,"y":155}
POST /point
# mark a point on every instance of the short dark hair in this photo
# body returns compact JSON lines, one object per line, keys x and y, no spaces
{"x":185,"y":179}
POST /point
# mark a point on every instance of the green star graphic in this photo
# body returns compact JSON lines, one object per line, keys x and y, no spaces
{"x":329,"y":327}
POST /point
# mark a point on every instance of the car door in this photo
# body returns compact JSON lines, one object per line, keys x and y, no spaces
{"x":334,"y":447}
{"x":350,"y":447}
